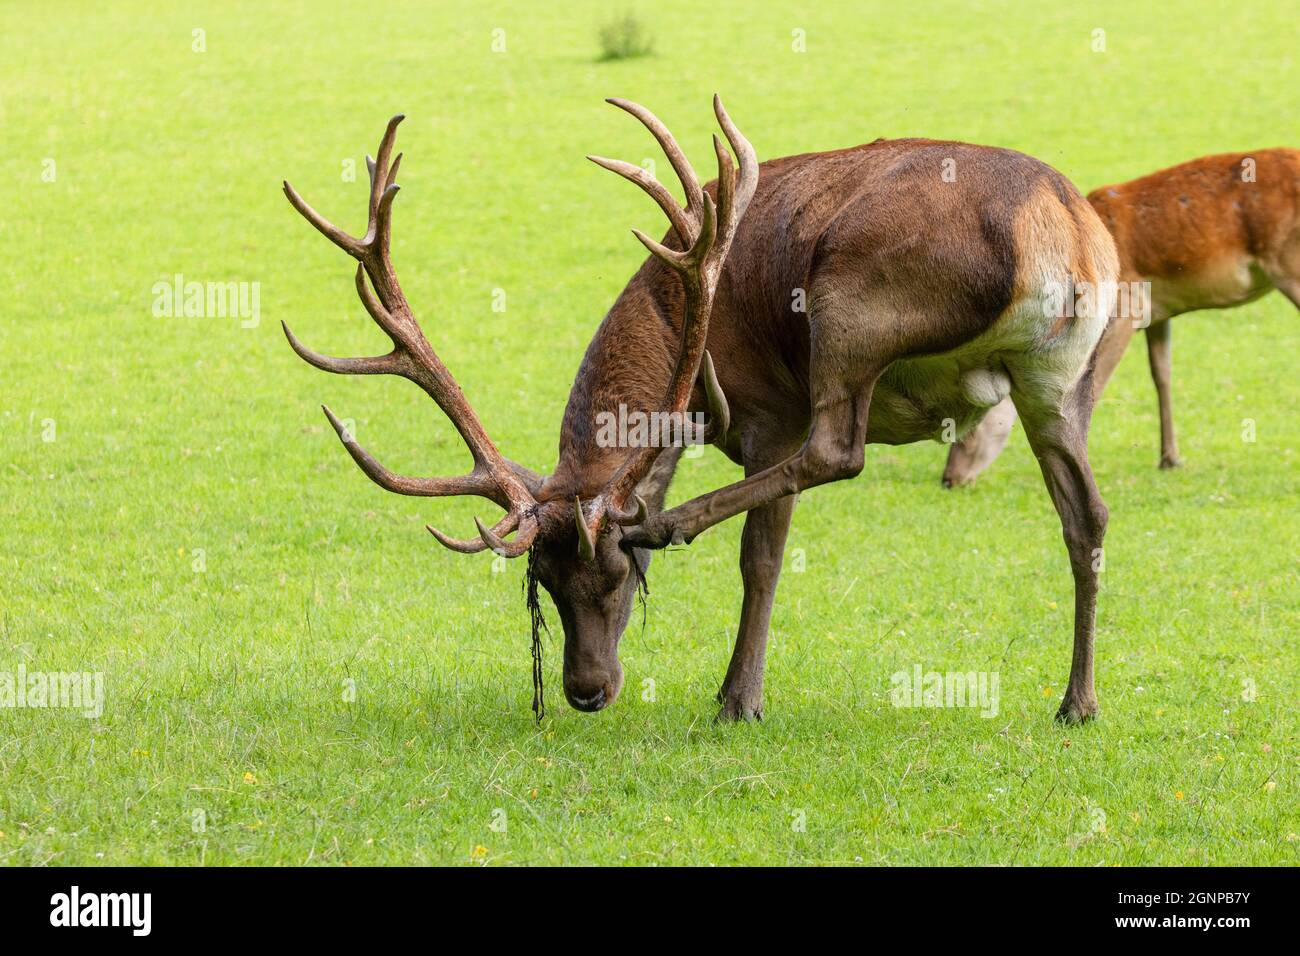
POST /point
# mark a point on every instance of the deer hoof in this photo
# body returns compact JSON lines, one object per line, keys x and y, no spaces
{"x":1170,"y":461}
{"x":653,"y":534}
{"x":1075,"y":710}
{"x":740,"y":705}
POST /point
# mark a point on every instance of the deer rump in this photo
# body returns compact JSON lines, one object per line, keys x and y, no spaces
{"x":1213,"y":233}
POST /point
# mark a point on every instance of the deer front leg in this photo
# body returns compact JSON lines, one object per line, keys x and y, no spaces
{"x":1289,"y":287}
{"x":834,"y":450}
{"x":762,"y":546}
{"x":1060,"y":442}
{"x":1160,"y":355}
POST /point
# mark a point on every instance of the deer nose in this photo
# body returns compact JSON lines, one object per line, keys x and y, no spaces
{"x":591,"y":703}
{"x":592,"y":687}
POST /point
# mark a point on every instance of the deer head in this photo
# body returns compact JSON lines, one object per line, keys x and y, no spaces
{"x":576,"y":549}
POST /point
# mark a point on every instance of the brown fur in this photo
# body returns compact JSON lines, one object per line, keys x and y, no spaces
{"x":873,"y":294}
{"x":837,"y":217}
{"x":906,"y":277}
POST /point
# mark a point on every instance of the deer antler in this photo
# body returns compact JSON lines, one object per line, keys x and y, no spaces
{"x":493,"y":476}
{"x":705,"y":231}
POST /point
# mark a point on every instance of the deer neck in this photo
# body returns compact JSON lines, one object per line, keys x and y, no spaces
{"x":623,"y":375}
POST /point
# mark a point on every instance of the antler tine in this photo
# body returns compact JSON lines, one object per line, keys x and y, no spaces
{"x":326,"y":228}
{"x":747,"y":181}
{"x":726,"y":180}
{"x":379,"y":235}
{"x":376,"y":308}
{"x":681,"y":165}
{"x":719,"y":411}
{"x":634,"y":515}
{"x":699,"y":264}
{"x":686,"y":261}
{"x":586,"y":531}
{"x":382,"y":190}
{"x":474,"y":483}
{"x":381,"y":176}
{"x":493,"y":477}
{"x":390,"y":364}
{"x":392,"y":171}
{"x":493,"y":538}
{"x":658,"y":192}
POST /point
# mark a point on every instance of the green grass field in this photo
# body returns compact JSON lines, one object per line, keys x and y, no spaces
{"x":175,"y":513}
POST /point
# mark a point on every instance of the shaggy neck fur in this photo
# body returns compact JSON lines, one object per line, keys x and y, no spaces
{"x":628,"y":362}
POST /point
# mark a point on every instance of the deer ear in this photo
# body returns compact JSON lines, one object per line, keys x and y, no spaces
{"x":531,"y":479}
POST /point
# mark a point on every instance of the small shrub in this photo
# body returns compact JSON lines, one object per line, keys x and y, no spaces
{"x":625,"y":38}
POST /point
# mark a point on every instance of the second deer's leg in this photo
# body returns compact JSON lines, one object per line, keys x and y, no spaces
{"x":1160,"y":355}
{"x":1289,"y":287}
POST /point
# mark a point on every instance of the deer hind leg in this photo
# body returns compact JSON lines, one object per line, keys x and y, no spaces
{"x":1059,"y":439}
{"x":1160,"y":354}
{"x":968,"y":458}
{"x":1284,"y":268}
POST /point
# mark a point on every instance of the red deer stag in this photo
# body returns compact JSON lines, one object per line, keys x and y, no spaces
{"x":924,"y":265}
{"x":1213,"y":233}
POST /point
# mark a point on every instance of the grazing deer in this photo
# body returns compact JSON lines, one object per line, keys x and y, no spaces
{"x":1213,"y":233}
{"x":924,"y":267}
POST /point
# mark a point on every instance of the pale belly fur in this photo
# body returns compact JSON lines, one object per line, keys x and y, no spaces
{"x":941,"y":397}
{"x":1229,"y":282}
